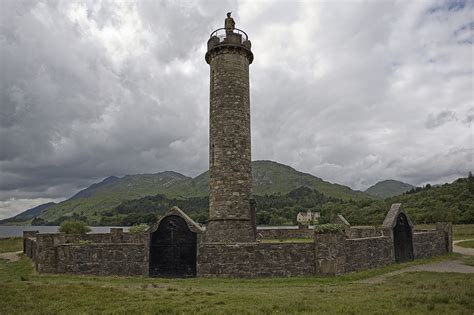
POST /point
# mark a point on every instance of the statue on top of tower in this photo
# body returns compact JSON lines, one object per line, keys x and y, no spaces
{"x":229,"y":24}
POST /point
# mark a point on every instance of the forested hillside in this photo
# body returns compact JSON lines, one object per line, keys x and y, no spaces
{"x":450,"y":202}
{"x":99,"y":199}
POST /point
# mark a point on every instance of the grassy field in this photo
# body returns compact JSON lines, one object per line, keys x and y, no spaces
{"x":466,"y":244}
{"x":24,"y":291}
{"x":11,"y":244}
{"x":463,"y":231}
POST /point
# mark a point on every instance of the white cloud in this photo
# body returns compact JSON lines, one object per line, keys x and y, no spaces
{"x":353,"y":92}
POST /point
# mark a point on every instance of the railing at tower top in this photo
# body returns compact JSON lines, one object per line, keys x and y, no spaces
{"x":222,"y":34}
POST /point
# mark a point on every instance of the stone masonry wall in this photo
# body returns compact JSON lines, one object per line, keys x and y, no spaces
{"x":29,"y":247}
{"x":114,"y":253}
{"x":364,"y":232}
{"x":103,"y":259}
{"x":294,"y":232}
{"x":230,"y":174}
{"x":366,"y":253}
{"x":256,"y":260}
{"x":428,"y":244}
{"x":330,"y":253}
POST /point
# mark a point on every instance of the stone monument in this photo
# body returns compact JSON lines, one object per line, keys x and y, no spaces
{"x":230,"y":182}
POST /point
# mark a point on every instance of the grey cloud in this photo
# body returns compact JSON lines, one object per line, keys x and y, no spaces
{"x":434,"y":121}
{"x":92,"y":89}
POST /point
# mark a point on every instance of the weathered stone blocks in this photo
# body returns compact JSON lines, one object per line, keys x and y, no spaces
{"x":230,"y":179}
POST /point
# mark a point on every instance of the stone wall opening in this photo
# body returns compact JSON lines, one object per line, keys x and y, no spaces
{"x":173,"y":249}
{"x":403,"y":239}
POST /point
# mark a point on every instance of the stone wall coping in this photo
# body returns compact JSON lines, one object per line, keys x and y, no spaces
{"x":366,"y":238}
{"x":104,"y":233}
{"x":425,"y":232}
{"x":255,"y":244}
{"x":282,"y":227}
{"x":192,"y":225}
{"x":100,"y":244}
{"x":366,"y":227}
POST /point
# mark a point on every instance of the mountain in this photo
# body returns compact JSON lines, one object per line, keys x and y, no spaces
{"x":449,"y":202}
{"x":271,"y":177}
{"x":29,"y":214}
{"x":268,"y":178}
{"x":109,"y":193}
{"x":388,"y":188}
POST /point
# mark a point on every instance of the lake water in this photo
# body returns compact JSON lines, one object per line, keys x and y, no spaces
{"x":17,"y":231}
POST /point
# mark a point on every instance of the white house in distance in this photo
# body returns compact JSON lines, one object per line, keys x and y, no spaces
{"x":307,"y":217}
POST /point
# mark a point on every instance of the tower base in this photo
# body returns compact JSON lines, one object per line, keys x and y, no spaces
{"x":230,"y":231}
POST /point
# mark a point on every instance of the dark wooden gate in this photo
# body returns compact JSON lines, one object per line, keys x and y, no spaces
{"x":173,"y":249}
{"x":403,"y":239}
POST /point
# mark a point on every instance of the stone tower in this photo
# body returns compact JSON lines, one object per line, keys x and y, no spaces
{"x":230,"y":216}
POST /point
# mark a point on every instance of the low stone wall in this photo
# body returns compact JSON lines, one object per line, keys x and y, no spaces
{"x":285,"y":232}
{"x":119,"y":253}
{"x":364,"y":231}
{"x":256,"y":259}
{"x":336,"y":254}
{"x":29,"y":247}
{"x":114,"y":253}
{"x":366,"y":253}
{"x":428,"y":244}
{"x":103,"y":259}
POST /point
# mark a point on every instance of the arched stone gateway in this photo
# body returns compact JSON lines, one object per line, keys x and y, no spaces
{"x":403,"y":239}
{"x":401,"y":228}
{"x":173,"y":247}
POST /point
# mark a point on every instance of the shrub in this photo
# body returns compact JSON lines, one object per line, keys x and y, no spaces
{"x":74,"y":227}
{"x":139,"y":228}
{"x":329,"y":228}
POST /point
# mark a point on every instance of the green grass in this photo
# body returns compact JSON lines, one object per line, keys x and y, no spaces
{"x":11,"y":244}
{"x":24,"y":291}
{"x":466,"y":244}
{"x":469,"y":260}
{"x":463,"y":231}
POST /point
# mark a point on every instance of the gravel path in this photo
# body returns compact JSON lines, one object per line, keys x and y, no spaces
{"x":11,"y":256}
{"x":444,"y":266}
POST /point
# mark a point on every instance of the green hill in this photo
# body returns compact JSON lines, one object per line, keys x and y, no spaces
{"x":268,"y":178}
{"x":448,"y":202}
{"x":26,"y":216}
{"x":388,"y":188}
{"x":452,"y":202}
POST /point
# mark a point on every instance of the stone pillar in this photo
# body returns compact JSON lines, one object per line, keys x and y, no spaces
{"x":330,"y":253}
{"x":230,"y":173}
{"x":447,"y":229}
{"x":26,"y":235}
{"x":46,"y":255}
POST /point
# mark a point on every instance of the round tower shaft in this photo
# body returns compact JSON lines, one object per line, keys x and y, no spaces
{"x":230,"y":184}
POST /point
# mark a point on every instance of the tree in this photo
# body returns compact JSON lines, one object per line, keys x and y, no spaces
{"x":470,"y":183}
{"x":74,"y":227}
{"x":139,"y":228}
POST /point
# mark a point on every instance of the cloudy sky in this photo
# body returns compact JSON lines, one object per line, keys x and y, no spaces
{"x":351,"y":91}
